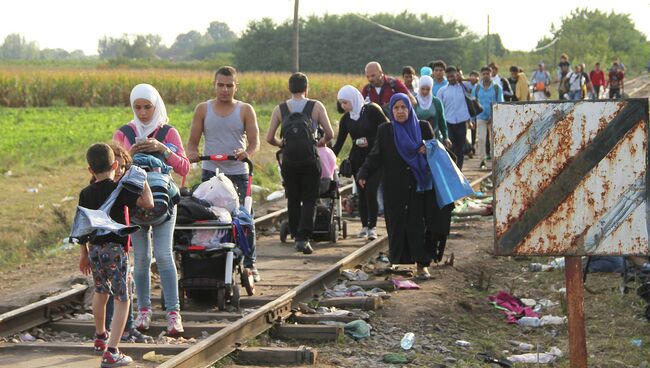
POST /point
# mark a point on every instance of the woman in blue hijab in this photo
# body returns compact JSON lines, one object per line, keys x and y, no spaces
{"x":417,"y":228}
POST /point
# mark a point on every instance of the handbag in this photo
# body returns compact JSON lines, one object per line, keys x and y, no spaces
{"x":473,"y":105}
{"x":449,"y":182}
{"x":346,"y":168}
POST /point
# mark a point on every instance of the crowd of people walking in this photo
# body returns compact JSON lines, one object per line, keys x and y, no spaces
{"x":388,"y":120}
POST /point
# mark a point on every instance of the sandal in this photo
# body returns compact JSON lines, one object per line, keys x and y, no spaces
{"x":423,"y":274}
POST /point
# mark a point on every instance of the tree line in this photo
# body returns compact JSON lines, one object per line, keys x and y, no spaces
{"x":344,"y":43}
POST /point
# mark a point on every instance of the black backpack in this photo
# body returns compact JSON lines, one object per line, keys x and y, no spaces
{"x":298,"y":135}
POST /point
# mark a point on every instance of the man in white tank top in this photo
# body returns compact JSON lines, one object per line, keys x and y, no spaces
{"x":229,"y":127}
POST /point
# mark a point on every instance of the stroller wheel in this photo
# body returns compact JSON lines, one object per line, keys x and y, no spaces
{"x":181,"y":298}
{"x":334,"y":233}
{"x":284,"y":231}
{"x":248,"y":282}
{"x":234,"y":299}
{"x":221,"y":298}
{"x":162,"y":299}
{"x":344,"y":229}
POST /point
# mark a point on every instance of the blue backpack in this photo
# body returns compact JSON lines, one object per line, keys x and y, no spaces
{"x":165,"y":192}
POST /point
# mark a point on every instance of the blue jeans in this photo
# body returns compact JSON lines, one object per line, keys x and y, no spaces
{"x":241,"y":185}
{"x":162,"y":237}
{"x":575,"y":95}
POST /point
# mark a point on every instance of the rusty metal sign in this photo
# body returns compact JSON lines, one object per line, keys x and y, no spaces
{"x":570,"y":178}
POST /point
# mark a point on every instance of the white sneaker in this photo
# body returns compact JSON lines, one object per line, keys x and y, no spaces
{"x":174,"y":325}
{"x":363,"y":233}
{"x":256,"y":274}
{"x":372,"y":234}
{"x":143,"y":320}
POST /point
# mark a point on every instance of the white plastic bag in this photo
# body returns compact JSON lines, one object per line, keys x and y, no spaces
{"x":220,"y":192}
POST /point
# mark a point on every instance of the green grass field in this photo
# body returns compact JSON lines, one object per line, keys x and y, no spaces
{"x":43,"y":168}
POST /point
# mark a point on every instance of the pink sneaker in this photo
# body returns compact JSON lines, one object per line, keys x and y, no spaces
{"x":174,"y":324}
{"x":143,"y":320}
{"x":100,"y":343}
{"x":110,"y":360}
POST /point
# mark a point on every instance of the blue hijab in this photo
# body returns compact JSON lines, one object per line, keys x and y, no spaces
{"x":408,"y":139}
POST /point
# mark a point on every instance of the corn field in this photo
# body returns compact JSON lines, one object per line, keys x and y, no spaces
{"x":42,"y":87}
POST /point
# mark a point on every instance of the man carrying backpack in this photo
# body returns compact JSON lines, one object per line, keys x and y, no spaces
{"x":298,"y":119}
{"x":381,"y":88}
{"x":488,"y":93}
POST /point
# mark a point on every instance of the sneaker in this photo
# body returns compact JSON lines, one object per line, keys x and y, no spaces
{"x":174,"y":325}
{"x":143,"y":320}
{"x":256,"y":274}
{"x":136,"y":336}
{"x":372,"y":234}
{"x":363,"y":233}
{"x":304,"y":247}
{"x":482,"y":166}
{"x":100,"y":343}
{"x":110,"y":360}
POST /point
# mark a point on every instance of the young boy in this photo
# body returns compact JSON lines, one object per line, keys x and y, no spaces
{"x":130,"y":334}
{"x":106,"y":256}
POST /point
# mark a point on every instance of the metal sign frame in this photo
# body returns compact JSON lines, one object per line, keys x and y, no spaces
{"x":543,"y":212}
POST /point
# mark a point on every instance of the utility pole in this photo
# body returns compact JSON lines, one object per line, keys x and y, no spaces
{"x":487,"y":42}
{"x":296,"y":42}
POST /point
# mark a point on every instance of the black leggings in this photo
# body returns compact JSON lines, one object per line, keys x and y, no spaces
{"x":368,"y":207}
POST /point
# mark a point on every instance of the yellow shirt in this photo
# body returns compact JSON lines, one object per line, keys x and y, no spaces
{"x":521,"y":89}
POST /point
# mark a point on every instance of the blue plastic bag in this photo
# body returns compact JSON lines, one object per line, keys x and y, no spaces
{"x":448,"y":181}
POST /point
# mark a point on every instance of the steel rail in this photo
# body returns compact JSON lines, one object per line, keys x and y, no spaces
{"x":272,"y":217}
{"x":41,"y":312}
{"x":222,"y":343}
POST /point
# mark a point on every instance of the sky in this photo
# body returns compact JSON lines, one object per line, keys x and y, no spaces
{"x":79,"y":24}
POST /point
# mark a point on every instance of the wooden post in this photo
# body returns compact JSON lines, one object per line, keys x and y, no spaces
{"x":360,"y":302}
{"x":576,"y":308}
{"x":296,"y":42}
{"x":487,"y":42}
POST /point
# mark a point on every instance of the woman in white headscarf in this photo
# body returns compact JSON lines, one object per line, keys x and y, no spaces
{"x":430,"y":108}
{"x":149,"y":132}
{"x":360,"y":121}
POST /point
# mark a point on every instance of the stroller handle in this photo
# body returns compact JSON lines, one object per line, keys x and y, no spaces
{"x":220,"y":157}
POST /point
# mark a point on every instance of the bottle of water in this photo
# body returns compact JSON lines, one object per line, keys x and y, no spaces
{"x":529,"y":321}
{"x":407,"y":341}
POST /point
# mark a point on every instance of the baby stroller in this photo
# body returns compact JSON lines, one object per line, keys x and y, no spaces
{"x":328,"y":223}
{"x":210,"y":253}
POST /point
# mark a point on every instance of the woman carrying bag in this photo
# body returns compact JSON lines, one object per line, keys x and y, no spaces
{"x":360,"y":121}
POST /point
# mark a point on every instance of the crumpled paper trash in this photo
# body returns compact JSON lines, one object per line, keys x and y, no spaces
{"x":543,"y":358}
{"x":156,"y":358}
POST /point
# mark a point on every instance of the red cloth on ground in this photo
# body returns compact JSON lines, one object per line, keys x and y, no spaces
{"x":515,"y":308}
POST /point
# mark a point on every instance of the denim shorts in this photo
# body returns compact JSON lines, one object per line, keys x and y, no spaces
{"x":110,"y":266}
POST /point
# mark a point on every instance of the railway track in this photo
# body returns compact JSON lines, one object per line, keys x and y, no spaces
{"x":288,"y":279}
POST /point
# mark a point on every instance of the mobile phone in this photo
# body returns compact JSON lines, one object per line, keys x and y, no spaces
{"x":140,"y":139}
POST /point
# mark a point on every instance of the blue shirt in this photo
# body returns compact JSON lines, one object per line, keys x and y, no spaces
{"x":436,"y":86}
{"x":487,"y":97}
{"x":453,"y":100}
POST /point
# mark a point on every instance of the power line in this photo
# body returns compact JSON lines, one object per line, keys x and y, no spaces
{"x":547,"y":45}
{"x":429,"y":39}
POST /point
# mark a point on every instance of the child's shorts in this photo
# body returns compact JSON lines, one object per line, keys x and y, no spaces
{"x":110,"y":266}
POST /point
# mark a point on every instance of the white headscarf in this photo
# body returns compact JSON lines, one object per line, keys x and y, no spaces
{"x":352,"y":95}
{"x":425,"y":101}
{"x":159,"y":118}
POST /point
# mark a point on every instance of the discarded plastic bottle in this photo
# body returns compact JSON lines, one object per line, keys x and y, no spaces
{"x":529,"y":321}
{"x":407,"y":341}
